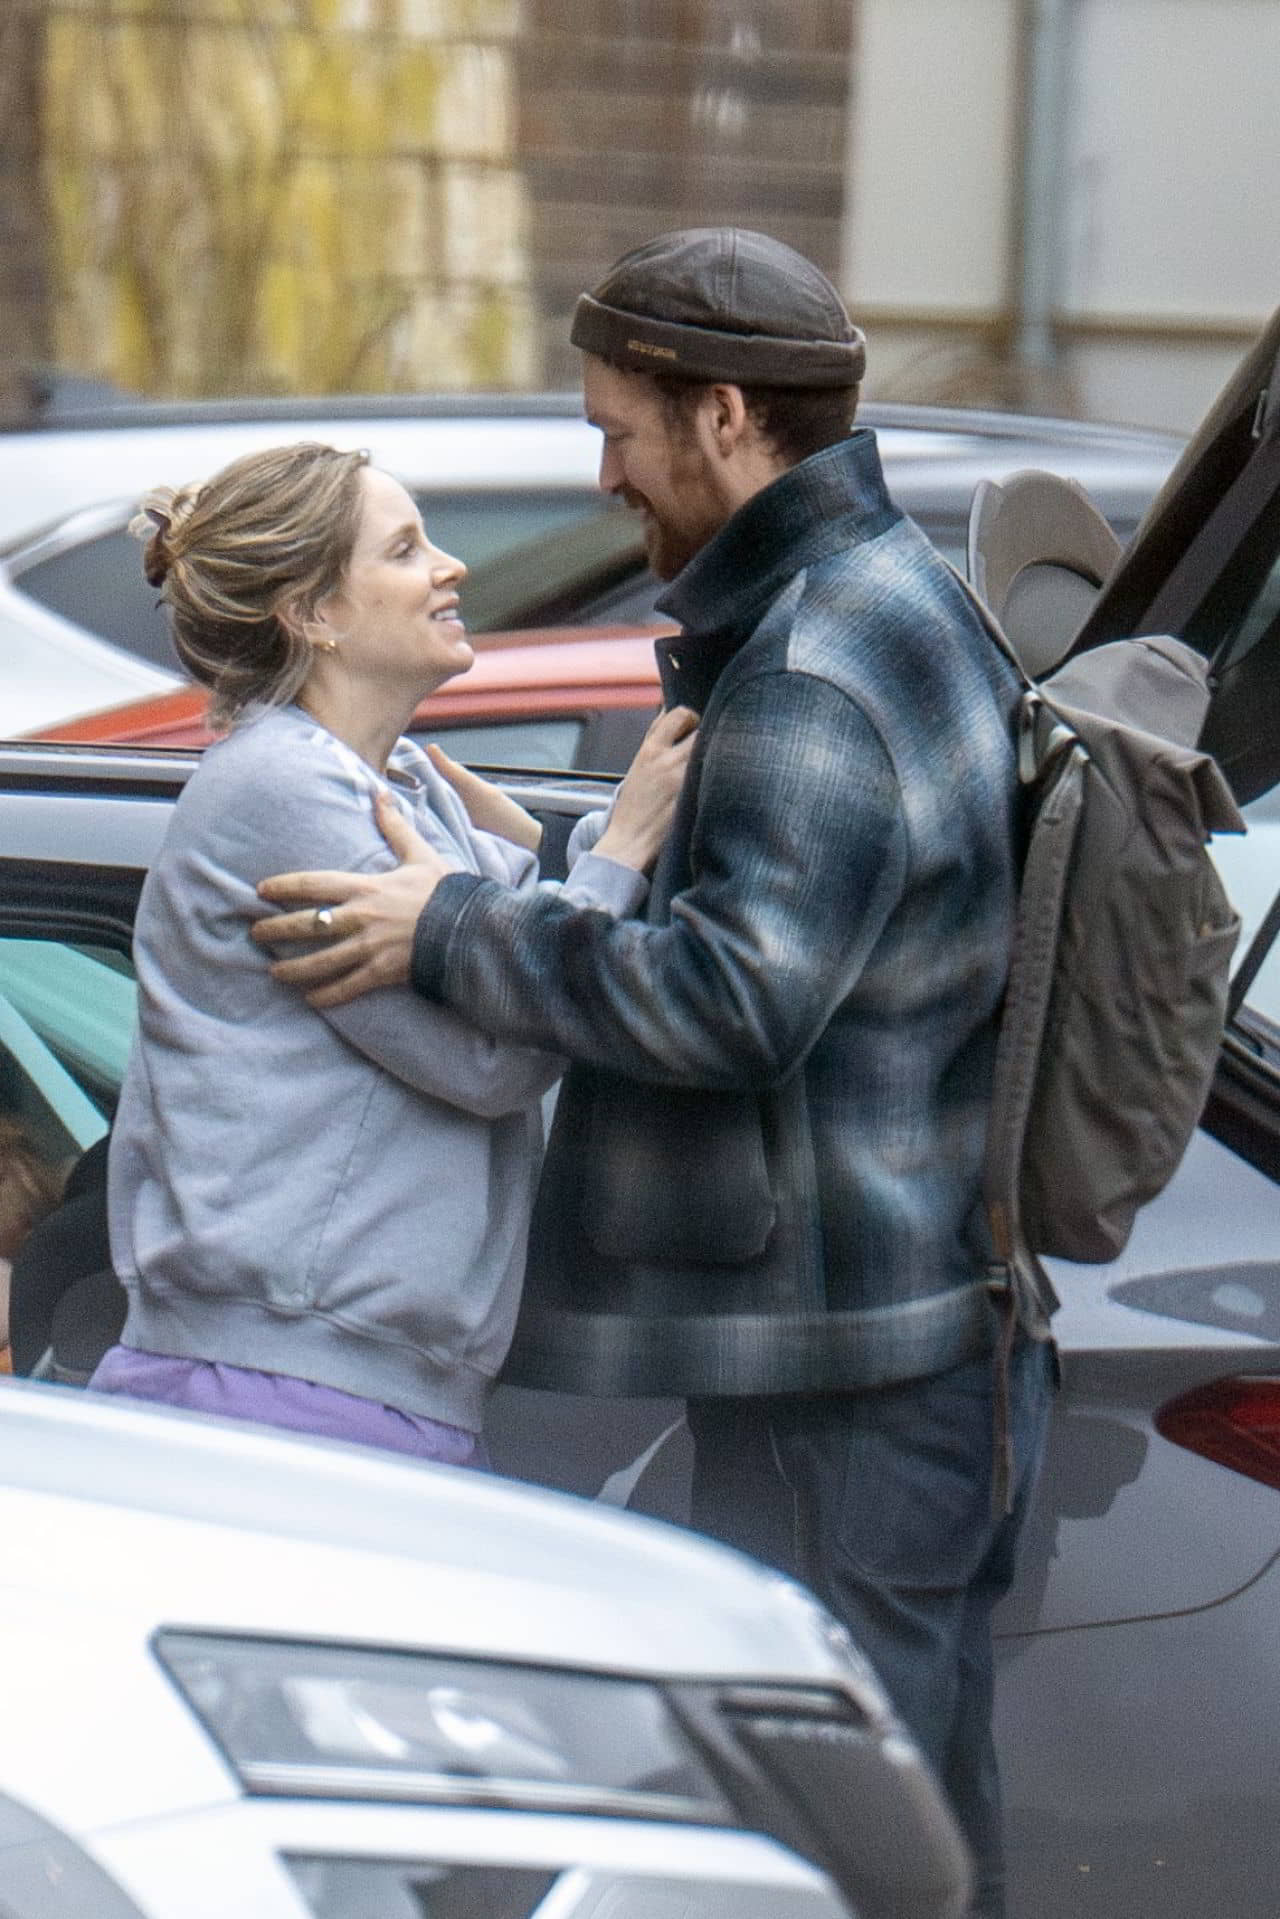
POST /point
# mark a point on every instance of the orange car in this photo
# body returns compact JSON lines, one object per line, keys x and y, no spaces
{"x":557,"y":697}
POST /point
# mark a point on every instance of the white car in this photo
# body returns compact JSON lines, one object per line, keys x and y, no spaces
{"x":479,"y":444}
{"x":256,"y":1675}
{"x":512,"y":470}
{"x":497,"y":480}
{"x":55,"y":670}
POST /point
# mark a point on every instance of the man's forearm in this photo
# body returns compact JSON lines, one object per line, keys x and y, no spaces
{"x":792,"y":877}
{"x":530,"y":966}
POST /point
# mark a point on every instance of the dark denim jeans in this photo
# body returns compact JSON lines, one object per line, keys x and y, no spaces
{"x":881,"y":1502}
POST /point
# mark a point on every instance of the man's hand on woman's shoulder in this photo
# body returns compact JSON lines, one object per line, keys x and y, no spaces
{"x":366,"y":920}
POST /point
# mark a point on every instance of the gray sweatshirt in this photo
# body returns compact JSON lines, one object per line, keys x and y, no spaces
{"x":344,"y":1196}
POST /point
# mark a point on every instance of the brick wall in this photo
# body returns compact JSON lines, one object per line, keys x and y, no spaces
{"x":639,"y":115}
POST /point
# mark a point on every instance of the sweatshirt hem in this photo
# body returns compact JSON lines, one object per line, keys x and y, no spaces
{"x":305,"y":1345}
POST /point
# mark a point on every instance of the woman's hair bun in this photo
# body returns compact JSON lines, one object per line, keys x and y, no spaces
{"x":163,"y":511}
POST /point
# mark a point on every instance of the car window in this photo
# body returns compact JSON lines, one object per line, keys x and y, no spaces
{"x":97,"y":581}
{"x":555,"y":579}
{"x":67,"y":1015}
{"x":535,"y":744}
{"x":477,"y":527}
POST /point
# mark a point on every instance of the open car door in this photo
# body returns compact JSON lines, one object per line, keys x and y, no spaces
{"x":1170,"y":1354}
{"x":1204,"y":565}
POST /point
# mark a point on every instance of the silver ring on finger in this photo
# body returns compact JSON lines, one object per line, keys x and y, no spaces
{"x":322,"y":919}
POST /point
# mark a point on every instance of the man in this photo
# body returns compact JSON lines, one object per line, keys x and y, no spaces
{"x":762,"y":1189}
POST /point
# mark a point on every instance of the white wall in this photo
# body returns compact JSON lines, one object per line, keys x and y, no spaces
{"x":930,"y":153}
{"x":1167,"y":211}
{"x":1174,"y":158}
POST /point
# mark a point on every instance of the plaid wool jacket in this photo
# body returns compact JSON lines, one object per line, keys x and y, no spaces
{"x":763,"y":1174}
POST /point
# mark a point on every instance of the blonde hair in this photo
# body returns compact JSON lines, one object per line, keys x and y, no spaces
{"x":245,"y":556}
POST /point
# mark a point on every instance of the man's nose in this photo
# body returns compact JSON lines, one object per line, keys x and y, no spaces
{"x":610,"y":478}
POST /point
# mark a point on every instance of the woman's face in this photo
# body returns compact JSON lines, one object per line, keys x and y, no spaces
{"x":395,"y":618}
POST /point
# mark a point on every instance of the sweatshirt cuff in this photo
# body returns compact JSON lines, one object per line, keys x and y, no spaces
{"x":596,"y":880}
{"x":434,"y":931}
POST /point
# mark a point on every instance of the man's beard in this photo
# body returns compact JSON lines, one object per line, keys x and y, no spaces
{"x":670,"y":544}
{"x":669,"y":548}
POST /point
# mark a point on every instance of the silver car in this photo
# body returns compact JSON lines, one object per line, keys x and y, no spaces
{"x":250,"y":1674}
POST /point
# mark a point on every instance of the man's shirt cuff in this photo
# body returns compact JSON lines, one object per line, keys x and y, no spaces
{"x":434,"y":931}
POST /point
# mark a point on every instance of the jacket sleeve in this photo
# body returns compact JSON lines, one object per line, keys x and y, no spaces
{"x":593,"y":879}
{"x":797,"y":858}
{"x":436,"y":1050}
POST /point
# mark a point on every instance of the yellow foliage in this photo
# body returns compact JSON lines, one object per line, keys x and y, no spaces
{"x":130,"y":329}
{"x":413,"y":108}
{"x":489,"y":339}
{"x":245,"y":195}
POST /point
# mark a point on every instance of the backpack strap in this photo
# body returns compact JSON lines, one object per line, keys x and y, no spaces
{"x":1050,"y":753}
{"x":1022,"y":1024}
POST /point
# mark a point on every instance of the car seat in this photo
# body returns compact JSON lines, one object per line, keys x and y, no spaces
{"x":1038,"y":551}
{"x":66,"y":1306}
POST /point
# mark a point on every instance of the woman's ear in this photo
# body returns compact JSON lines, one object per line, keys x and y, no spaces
{"x":316,"y":627}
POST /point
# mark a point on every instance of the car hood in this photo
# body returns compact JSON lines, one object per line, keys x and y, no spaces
{"x":201,"y":1522}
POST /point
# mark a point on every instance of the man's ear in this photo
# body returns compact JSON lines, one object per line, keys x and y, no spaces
{"x":723,"y":419}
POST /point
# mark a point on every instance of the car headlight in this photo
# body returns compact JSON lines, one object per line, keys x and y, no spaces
{"x":823,"y":1769}
{"x":350,"y":1723}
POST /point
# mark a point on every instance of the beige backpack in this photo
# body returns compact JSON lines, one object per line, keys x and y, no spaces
{"x":1117,"y":990}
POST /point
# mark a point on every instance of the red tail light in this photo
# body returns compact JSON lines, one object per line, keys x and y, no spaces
{"x":1235,"y":1422}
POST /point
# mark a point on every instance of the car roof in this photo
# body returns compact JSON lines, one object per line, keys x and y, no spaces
{"x":505,"y":441}
{"x":51,"y":471}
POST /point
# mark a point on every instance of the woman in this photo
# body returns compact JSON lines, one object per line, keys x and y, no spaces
{"x":320,"y":1220}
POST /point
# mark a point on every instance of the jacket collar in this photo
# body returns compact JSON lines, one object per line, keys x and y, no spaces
{"x":829,"y":502}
